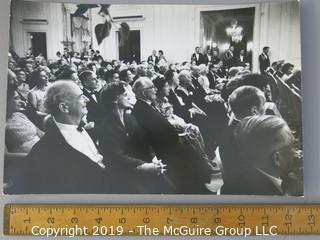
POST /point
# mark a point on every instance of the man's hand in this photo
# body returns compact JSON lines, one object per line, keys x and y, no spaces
{"x":150,"y":167}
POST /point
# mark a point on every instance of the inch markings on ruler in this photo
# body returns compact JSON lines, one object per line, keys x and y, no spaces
{"x":158,"y":220}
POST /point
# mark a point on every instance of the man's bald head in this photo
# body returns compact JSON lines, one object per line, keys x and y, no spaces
{"x":59,"y":91}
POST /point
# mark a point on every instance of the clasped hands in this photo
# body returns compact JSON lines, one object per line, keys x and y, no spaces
{"x":156,"y":166}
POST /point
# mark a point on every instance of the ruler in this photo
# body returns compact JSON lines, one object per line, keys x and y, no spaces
{"x":161,"y":220}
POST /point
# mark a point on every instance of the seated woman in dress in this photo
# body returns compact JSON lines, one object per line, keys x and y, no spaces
{"x":36,"y":95}
{"x":21,"y":133}
{"x":132,"y":163}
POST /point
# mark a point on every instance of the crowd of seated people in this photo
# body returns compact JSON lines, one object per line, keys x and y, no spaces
{"x":90,"y":125}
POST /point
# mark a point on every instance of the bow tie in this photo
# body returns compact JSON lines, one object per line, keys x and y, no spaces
{"x":94,"y":92}
{"x":81,"y":125}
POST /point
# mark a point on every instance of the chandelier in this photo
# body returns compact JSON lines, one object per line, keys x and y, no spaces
{"x":234,"y":31}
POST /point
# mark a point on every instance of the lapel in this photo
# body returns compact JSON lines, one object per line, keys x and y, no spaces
{"x":88,"y":95}
{"x":56,"y":140}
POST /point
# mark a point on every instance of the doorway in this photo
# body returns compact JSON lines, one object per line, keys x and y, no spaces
{"x":130,"y":50}
{"x":38,"y":43}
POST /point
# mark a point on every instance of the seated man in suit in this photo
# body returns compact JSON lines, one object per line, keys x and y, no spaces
{"x":91,"y":89}
{"x":185,"y":168}
{"x":243,"y":102}
{"x":66,"y":159}
{"x":267,"y":165}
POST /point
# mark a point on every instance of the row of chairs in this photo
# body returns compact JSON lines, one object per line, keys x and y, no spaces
{"x":289,"y":102}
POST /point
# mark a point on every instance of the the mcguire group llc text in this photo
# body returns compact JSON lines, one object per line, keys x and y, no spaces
{"x":144,"y":230}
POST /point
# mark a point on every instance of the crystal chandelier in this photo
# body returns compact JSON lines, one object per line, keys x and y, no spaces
{"x":234,"y":31}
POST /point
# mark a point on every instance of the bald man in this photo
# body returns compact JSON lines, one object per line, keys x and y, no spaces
{"x":66,"y":159}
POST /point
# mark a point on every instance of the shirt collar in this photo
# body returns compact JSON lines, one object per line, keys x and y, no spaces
{"x":65,"y":127}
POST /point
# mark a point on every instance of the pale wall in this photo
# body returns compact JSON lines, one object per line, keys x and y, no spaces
{"x":172,"y":28}
{"x":51,"y":12}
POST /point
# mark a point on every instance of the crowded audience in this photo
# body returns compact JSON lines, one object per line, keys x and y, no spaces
{"x":95,"y":125}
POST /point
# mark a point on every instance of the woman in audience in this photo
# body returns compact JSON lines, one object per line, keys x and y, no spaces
{"x":126,"y":76}
{"x":163,"y":90}
{"x":36,"y":95}
{"x":21,"y":133}
{"x":133,"y":165}
{"x":203,"y":79}
{"x":287,"y":70}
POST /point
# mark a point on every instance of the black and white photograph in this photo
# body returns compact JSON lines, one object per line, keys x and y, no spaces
{"x":154,"y":99}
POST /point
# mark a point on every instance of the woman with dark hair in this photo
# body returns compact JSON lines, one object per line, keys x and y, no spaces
{"x":133,"y":166}
{"x":36,"y":95}
{"x":125,"y":75}
{"x":163,"y":89}
{"x":287,"y":70}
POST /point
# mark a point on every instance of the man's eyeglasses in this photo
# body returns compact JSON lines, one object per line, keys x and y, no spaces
{"x":151,"y":87}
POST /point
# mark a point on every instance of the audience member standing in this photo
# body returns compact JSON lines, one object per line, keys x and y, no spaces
{"x":197,"y":56}
{"x":153,"y":57}
{"x":264,"y":60}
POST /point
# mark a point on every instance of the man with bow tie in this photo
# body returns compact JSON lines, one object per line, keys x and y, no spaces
{"x":91,"y":89}
{"x":65,"y":160}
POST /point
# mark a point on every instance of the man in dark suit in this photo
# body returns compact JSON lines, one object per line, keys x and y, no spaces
{"x":264,"y":60}
{"x":91,"y":91}
{"x":229,"y":58}
{"x":153,"y":58}
{"x":197,"y":57}
{"x":244,"y":101}
{"x":215,"y":57}
{"x":182,"y":161}
{"x":207,"y":57}
{"x":269,"y":163}
{"x":65,"y":160}
{"x":242,"y":59}
{"x":157,"y":130}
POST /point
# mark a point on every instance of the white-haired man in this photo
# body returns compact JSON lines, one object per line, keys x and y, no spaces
{"x":66,"y":159}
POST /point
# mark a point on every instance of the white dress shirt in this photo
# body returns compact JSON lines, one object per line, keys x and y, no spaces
{"x":80,"y":141}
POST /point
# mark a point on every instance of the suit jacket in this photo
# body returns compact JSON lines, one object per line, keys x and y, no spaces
{"x":95,"y":111}
{"x":200,"y":59}
{"x":229,"y":154}
{"x":157,"y":131}
{"x":215,"y":60}
{"x":251,"y":181}
{"x":212,"y":79}
{"x":54,"y":167}
{"x":228,"y":59}
{"x":206,"y":59}
{"x":243,"y":62}
{"x":178,"y":108}
{"x":264,"y":63}
{"x":155,"y":61}
{"x":198,"y":92}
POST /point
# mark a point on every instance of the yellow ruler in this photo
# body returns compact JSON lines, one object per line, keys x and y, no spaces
{"x":161,"y":220}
